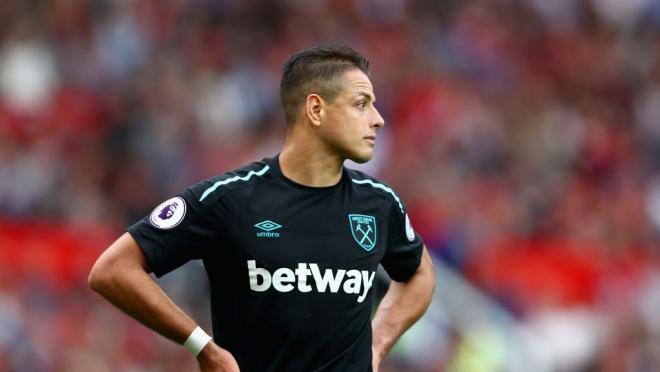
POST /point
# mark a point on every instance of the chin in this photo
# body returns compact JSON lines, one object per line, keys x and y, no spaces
{"x":361,"y":158}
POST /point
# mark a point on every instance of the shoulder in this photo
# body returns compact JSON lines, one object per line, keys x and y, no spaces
{"x":376,"y":187}
{"x":249,"y":175}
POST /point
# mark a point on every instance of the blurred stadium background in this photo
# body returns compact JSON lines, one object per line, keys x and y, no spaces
{"x":523,"y":134}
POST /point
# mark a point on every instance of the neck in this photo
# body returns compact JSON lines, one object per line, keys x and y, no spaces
{"x":305,"y":161}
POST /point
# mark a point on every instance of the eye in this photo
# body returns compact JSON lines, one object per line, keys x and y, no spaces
{"x":362,"y":104}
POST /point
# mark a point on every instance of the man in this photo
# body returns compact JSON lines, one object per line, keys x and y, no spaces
{"x":290,"y":244}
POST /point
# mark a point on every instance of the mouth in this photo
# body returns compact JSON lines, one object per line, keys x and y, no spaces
{"x":370,"y":139}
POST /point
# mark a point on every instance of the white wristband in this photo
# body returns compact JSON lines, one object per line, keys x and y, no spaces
{"x":196,"y":341}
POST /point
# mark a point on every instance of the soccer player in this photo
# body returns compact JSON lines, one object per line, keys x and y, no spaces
{"x":291,"y":244}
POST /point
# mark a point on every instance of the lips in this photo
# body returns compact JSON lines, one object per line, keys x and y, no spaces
{"x":371,"y":139}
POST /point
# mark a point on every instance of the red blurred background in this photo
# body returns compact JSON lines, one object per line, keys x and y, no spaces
{"x":524,"y":136}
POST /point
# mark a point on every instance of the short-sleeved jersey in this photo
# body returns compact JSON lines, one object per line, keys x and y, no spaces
{"x":290,"y":267}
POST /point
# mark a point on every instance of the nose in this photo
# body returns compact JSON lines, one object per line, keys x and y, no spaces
{"x":378,"y":120}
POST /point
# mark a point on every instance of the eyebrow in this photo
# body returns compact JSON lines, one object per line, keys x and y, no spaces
{"x":367,"y":95}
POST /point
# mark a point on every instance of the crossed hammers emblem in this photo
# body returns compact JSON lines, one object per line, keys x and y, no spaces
{"x":365,"y":234}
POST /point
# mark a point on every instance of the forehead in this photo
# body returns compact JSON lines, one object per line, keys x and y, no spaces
{"x":356,"y":81}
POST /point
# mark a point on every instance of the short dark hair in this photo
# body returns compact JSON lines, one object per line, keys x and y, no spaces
{"x":316,"y":70}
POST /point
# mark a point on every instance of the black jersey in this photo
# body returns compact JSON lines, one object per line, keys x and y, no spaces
{"x":291,"y":267}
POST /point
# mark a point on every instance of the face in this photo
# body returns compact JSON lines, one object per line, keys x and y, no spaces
{"x":350,"y":123}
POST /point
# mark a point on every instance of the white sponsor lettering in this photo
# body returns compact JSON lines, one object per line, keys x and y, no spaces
{"x":254,"y":273}
{"x":282,"y":279}
{"x":301,"y":272}
{"x":356,"y":282}
{"x":352,"y":284}
{"x":328,"y":277}
{"x":368,"y":280}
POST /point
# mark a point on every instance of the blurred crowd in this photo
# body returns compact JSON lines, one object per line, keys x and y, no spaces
{"x":524,"y":136}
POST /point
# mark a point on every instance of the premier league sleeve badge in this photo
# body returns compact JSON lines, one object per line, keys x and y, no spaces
{"x":169,"y":213}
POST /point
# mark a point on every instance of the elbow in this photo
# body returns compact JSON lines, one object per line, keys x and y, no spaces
{"x":429,"y":275}
{"x":111,"y":270}
{"x":95,"y":279}
{"x":432,"y":286}
{"x":432,"y":277}
{"x":100,"y":277}
{"x":430,"y":280}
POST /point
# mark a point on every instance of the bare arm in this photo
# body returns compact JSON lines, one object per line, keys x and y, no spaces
{"x":121,"y":276}
{"x":403,"y":304}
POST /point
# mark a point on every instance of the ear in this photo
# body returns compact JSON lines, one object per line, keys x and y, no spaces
{"x":314,"y":109}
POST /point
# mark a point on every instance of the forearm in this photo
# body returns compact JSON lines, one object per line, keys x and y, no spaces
{"x":121,"y":278}
{"x":139,"y":296}
{"x":402,"y":306}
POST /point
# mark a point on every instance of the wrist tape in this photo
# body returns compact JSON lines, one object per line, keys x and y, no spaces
{"x":196,"y":341}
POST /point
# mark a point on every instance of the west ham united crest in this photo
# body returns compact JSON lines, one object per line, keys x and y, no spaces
{"x":363,"y":229}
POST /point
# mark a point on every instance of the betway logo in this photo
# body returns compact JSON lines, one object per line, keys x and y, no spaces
{"x":282,"y":280}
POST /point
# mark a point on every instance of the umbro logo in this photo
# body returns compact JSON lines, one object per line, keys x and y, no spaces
{"x":267,"y":228}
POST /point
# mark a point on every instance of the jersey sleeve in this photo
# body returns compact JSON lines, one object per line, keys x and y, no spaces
{"x":404,"y":247}
{"x":178,"y":230}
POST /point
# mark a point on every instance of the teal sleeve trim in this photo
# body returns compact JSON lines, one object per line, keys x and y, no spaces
{"x":382,"y":187}
{"x":233,"y":179}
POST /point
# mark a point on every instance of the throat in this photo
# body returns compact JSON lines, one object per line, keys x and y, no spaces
{"x":311,"y":170}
